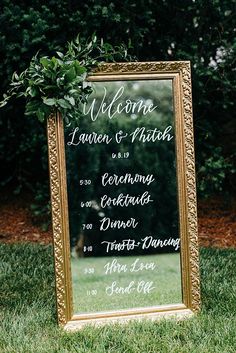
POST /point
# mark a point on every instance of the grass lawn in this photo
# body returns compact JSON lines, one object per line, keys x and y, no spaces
{"x":164,"y":273}
{"x":28,"y":313}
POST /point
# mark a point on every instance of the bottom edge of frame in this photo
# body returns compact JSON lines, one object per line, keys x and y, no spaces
{"x":178,"y":315}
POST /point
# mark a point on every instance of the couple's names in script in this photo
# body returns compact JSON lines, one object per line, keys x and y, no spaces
{"x":140,"y":134}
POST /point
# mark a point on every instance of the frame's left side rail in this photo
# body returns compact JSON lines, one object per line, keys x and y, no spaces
{"x":59,"y":207}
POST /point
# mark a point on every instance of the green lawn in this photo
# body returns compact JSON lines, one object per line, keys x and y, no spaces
{"x":165,"y":275}
{"x":28,"y":313}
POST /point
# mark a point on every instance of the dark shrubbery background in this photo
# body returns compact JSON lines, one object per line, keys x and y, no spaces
{"x":201,"y":31}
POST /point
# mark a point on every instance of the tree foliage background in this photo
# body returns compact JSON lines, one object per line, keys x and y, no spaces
{"x":203,"y":32}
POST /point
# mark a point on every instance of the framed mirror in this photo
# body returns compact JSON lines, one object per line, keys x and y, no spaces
{"x":123,"y":198}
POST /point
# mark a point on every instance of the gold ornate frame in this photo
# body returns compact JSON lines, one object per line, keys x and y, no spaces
{"x":180,"y":73}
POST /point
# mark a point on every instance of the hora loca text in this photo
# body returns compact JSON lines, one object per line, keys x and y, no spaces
{"x":115,"y":266}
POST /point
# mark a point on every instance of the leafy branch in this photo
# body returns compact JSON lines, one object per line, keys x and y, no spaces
{"x":58,"y":83}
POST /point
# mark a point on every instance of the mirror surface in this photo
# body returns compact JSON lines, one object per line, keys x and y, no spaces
{"x":123,"y":198}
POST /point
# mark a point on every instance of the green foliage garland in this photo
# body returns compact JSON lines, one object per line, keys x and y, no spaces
{"x":58,"y":83}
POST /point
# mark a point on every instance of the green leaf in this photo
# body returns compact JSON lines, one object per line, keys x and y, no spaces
{"x":3,"y":103}
{"x":70,"y":74}
{"x":73,"y":91}
{"x":32,"y":106}
{"x":45,"y":62}
{"x":15,"y":76}
{"x":61,"y":55}
{"x":40,"y":115}
{"x":49,"y":101}
{"x":63,"y":103}
{"x":55,"y":62}
{"x":79,"y":69}
{"x":70,"y":99}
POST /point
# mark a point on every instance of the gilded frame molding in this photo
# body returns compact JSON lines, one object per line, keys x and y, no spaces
{"x":180,"y":73}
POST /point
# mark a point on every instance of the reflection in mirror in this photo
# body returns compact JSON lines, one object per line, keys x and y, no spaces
{"x":123,"y":198}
